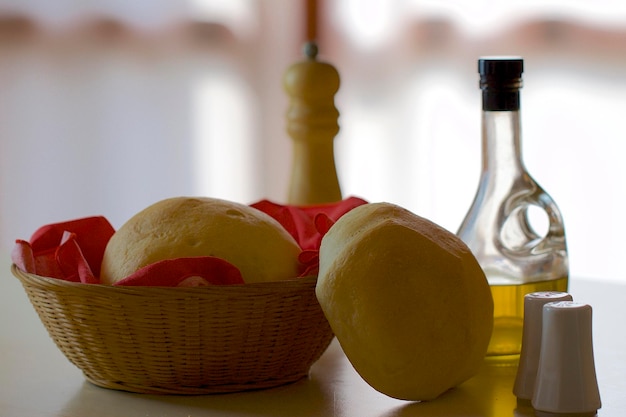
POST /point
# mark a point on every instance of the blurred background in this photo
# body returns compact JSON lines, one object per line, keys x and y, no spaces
{"x":107,"y":107}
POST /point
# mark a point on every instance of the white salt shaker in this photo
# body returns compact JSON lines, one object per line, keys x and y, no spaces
{"x":566,"y":380}
{"x":531,"y":342}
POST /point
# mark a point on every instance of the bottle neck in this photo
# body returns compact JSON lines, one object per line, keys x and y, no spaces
{"x":501,"y":144}
{"x":501,"y":99}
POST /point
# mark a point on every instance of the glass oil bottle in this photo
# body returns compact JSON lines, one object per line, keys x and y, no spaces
{"x":516,"y":258}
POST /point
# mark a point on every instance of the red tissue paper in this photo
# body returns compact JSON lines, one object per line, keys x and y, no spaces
{"x":308,"y":225}
{"x":73,"y":250}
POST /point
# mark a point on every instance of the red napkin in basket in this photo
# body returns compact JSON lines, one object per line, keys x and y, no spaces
{"x":73,"y":250}
{"x":185,"y":272}
{"x":70,"y":250}
{"x":308,"y":225}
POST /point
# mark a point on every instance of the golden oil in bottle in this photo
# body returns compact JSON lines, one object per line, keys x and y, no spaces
{"x":508,"y":300}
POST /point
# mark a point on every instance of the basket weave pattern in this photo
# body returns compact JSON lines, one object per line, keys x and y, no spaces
{"x":203,"y":340}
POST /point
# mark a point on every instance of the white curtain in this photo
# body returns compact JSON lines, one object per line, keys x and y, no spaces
{"x":108,"y":107}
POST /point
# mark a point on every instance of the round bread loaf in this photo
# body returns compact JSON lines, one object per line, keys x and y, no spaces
{"x":181,"y":227}
{"x":407,"y":300}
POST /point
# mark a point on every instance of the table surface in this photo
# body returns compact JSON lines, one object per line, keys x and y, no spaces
{"x":37,"y":381}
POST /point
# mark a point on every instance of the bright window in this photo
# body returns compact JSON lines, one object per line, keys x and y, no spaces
{"x":107,"y":107}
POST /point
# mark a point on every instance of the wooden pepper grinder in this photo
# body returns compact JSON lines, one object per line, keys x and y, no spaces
{"x":312,"y":126}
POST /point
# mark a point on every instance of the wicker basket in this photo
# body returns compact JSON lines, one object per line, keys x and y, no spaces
{"x":204,"y":340}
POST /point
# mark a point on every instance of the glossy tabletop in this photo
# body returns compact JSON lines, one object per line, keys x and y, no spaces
{"x":37,"y":381}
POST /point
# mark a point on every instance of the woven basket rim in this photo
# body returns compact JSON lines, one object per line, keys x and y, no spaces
{"x":61,"y":284}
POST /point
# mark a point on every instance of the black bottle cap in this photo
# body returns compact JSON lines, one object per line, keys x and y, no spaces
{"x":500,"y":80}
{"x":500,"y":72}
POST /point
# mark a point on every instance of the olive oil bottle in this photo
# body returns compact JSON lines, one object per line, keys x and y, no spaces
{"x":516,"y":257}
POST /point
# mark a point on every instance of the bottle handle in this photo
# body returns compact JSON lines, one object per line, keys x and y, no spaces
{"x":517,"y":234}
